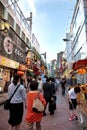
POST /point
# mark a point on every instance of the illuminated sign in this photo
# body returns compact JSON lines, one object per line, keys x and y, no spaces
{"x":8,"y":63}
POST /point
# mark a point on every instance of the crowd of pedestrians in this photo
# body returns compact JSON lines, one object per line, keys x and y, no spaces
{"x":48,"y":97}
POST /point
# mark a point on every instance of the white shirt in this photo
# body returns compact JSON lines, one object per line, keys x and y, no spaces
{"x":11,"y":79}
{"x":72,"y":94}
{"x":40,"y":85}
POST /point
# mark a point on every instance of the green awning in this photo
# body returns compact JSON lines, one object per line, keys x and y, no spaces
{"x":30,"y":73}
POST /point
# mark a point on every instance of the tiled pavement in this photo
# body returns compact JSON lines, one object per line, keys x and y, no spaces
{"x":58,"y":121}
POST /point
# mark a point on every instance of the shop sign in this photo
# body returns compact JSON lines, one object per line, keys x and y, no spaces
{"x":42,"y":67}
{"x":22,"y":67}
{"x":8,"y":46}
{"x":28,"y":61}
{"x":18,"y":52}
{"x":8,"y":63}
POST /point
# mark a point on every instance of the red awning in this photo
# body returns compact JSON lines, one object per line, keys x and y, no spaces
{"x":80,"y":64}
{"x":35,"y":67}
{"x":36,"y":72}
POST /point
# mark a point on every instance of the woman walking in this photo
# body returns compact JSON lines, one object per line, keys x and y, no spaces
{"x":31,"y":116}
{"x":16,"y":107}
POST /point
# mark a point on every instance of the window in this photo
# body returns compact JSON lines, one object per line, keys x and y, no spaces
{"x":23,"y":36}
{"x":1,"y":10}
{"x":27,"y":40}
{"x":11,"y":34}
{"x":23,"y":46}
{"x":18,"y":29}
{"x":18,"y":42}
{"x":11,"y":20}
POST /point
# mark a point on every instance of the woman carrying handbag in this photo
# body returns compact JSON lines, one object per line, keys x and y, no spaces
{"x":16,"y":103}
{"x":31,"y":115}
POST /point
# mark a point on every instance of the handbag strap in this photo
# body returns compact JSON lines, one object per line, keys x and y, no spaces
{"x":38,"y":94}
{"x":14,"y":92}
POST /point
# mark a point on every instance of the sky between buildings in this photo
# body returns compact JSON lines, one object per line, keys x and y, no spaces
{"x":51,"y":21}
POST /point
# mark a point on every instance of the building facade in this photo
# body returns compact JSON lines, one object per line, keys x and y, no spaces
{"x":18,"y":51}
{"x":78,"y":39}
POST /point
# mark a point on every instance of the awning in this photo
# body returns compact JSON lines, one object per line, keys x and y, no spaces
{"x":30,"y":70}
{"x":36,"y":72}
{"x":35,"y":67}
{"x":80,"y":64}
{"x":30,"y":73}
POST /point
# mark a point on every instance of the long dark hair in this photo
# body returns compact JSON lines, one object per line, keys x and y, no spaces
{"x":16,"y":79}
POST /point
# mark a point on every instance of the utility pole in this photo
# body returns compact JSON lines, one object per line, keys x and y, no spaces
{"x":30,"y":19}
{"x":44,"y":54}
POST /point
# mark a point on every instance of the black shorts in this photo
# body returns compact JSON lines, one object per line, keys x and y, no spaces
{"x":73,"y":104}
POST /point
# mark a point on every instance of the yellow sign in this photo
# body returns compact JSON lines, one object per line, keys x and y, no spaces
{"x":8,"y":63}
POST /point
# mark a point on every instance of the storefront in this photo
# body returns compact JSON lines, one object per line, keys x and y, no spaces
{"x":4,"y":78}
{"x":80,"y":68}
{"x":12,"y":52}
{"x":7,"y":67}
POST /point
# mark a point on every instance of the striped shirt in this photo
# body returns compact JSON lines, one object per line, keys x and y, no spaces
{"x":20,"y":94}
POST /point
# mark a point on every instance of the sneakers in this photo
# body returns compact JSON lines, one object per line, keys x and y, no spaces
{"x":75,"y":117}
{"x":71,"y":118}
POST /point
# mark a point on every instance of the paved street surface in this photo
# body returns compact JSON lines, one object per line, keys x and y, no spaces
{"x":58,"y":121}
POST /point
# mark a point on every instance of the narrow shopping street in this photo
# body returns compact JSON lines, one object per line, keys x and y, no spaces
{"x":44,"y":41}
{"x":58,"y":121}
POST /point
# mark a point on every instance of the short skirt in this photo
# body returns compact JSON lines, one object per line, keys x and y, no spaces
{"x":16,"y":114}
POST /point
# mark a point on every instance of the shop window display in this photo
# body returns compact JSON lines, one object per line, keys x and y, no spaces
{"x":4,"y":79}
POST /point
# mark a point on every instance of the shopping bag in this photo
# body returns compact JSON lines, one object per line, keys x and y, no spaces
{"x":7,"y":104}
{"x":37,"y":105}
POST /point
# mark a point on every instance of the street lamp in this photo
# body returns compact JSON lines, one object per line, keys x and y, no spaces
{"x":66,"y":40}
{"x":44,"y":55}
{"x":71,"y":44}
{"x":30,"y":19}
